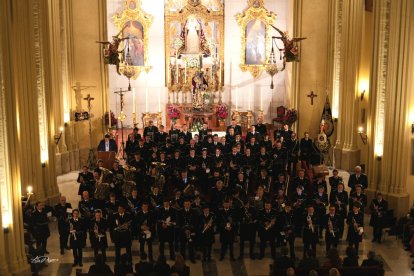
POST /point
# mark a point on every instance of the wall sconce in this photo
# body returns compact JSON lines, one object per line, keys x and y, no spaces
{"x":362,"y":95}
{"x":29,"y":194}
{"x":58,"y":136}
{"x":6,"y":220}
{"x":363,"y":135}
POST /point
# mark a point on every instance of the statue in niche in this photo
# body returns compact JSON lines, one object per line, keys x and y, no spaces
{"x":193,"y":38}
{"x":199,"y":86}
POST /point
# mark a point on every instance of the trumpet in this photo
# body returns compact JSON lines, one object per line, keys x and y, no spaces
{"x":310,"y":224}
{"x":208,"y":225}
{"x":168,"y":222}
{"x":72,"y":231}
{"x":122,"y":227}
{"x":331,"y":229}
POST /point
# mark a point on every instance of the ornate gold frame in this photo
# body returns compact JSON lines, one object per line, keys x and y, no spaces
{"x":145,"y":19}
{"x":192,"y":8}
{"x":256,"y":10}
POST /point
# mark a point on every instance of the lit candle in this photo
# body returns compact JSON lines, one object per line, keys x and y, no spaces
{"x":159,"y":99}
{"x":220,"y":74}
{"x":133,"y":101}
{"x":237,"y":98}
{"x":146,"y":99}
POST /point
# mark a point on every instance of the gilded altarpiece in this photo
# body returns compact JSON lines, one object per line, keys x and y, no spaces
{"x":194,"y":64}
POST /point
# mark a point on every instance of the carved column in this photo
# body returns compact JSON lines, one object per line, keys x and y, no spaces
{"x":397,"y":95}
{"x":351,"y":43}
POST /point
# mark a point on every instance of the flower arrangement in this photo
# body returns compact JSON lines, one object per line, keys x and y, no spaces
{"x":290,"y":116}
{"x":114,"y":120}
{"x":222,"y":112}
{"x":173,"y":113}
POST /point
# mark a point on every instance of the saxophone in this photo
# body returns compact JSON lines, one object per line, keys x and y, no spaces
{"x":310,"y":224}
{"x":331,"y":229}
{"x":72,"y":231}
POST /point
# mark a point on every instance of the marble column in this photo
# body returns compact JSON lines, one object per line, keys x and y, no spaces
{"x":397,"y":95}
{"x":347,"y":153}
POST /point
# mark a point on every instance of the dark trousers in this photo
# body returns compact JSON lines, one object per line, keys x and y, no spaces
{"x":96,"y":251}
{"x":142,"y":243}
{"x":171,"y":247}
{"x":331,"y":242}
{"x":42,"y":243}
{"x":263,"y":247}
{"x":63,"y":240}
{"x":355,"y":245}
{"x":184,"y":243}
{"x":251,"y":247}
{"x":207,"y":251}
{"x":226,"y":243}
{"x":341,"y":226}
{"x":292,"y":165}
{"x":77,"y":255}
{"x":377,"y":233}
{"x":118,"y":253}
{"x":291,"y":242}
{"x":177,"y":239}
{"x":309,"y":245}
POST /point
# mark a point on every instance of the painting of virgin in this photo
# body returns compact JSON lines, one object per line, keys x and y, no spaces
{"x":134,"y":46}
{"x":255,"y":42}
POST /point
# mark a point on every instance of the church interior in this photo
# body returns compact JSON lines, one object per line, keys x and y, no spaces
{"x":254,"y":137}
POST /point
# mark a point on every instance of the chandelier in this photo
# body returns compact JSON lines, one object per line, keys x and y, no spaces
{"x":271,"y":66}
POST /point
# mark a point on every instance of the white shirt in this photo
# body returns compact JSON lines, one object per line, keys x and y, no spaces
{"x":106,"y":146}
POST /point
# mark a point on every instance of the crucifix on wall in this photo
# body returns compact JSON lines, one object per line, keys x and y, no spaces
{"x":311,"y":96}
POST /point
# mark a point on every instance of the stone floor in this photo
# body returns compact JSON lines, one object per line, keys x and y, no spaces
{"x":396,"y":260}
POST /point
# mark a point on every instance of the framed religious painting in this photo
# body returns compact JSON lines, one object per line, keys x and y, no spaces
{"x":133,"y":24}
{"x":256,"y":38}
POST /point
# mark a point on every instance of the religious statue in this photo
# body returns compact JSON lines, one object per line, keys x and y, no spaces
{"x":193,"y":38}
{"x":290,"y":51}
{"x":199,"y":86}
{"x":111,"y":52}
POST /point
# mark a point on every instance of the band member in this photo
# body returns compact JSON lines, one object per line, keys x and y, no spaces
{"x":331,"y":223}
{"x":111,"y":206}
{"x":306,"y":150}
{"x":265,"y":181}
{"x":77,"y":230}
{"x":279,"y":159}
{"x":288,"y":228}
{"x":218,"y":194}
{"x":292,"y":146}
{"x":84,"y":179}
{"x":107,"y":144}
{"x":234,"y":162}
{"x":357,"y":178}
{"x":133,"y":201}
{"x":248,"y":229}
{"x":267,"y":229}
{"x":237,"y":128}
{"x":206,"y":232}
{"x":131,"y":146}
{"x":40,"y":224}
{"x":355,"y":223}
{"x":161,"y":136}
{"x":121,"y":233}
{"x":334,"y":180}
{"x":226,"y":223}
{"x":378,"y":207}
{"x":119,"y":178}
{"x":151,"y":131}
{"x":63,"y":212}
{"x":358,"y":197}
{"x":339,"y":198}
{"x":86,"y":207}
{"x":97,"y":230}
{"x":310,"y":230}
{"x":155,"y":198}
{"x":203,"y":132}
{"x":146,"y":224}
{"x":166,"y":218}
{"x":298,"y":204}
{"x":321,"y":201}
{"x":185,"y":133}
{"x":301,"y":180}
{"x":187,"y":223}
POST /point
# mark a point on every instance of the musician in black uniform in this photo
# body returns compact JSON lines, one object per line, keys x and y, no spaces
{"x":288,"y":228}
{"x":234,"y":162}
{"x":310,"y":230}
{"x":119,"y":178}
{"x":279,"y":159}
{"x":62,"y":211}
{"x":320,"y":200}
{"x":40,"y":224}
{"x":355,"y":223}
{"x":86,"y":208}
{"x":207,"y":223}
{"x":298,"y":204}
{"x":331,"y":225}
{"x":151,"y":131}
{"x":161,"y":137}
{"x":166,"y":221}
{"x":77,"y":230}
{"x":226,"y":223}
{"x":97,"y":231}
{"x":233,"y":125}
{"x":358,"y":197}
{"x":306,"y":150}
{"x":378,"y":207}
{"x":155,"y":198}
{"x":187,"y":224}
{"x":260,"y":127}
{"x":121,"y":233}
{"x":146,"y":224}
{"x":218,"y":195}
{"x":267,"y":229}
{"x":111,"y":206}
{"x":84,"y":179}
{"x":292,"y":146}
{"x":141,"y":168}
{"x":300,"y":180}
{"x":185,"y":133}
{"x":358,"y":178}
{"x":339,"y":198}
{"x":334,"y":180}
{"x":202,"y":133}
{"x":248,"y":229}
